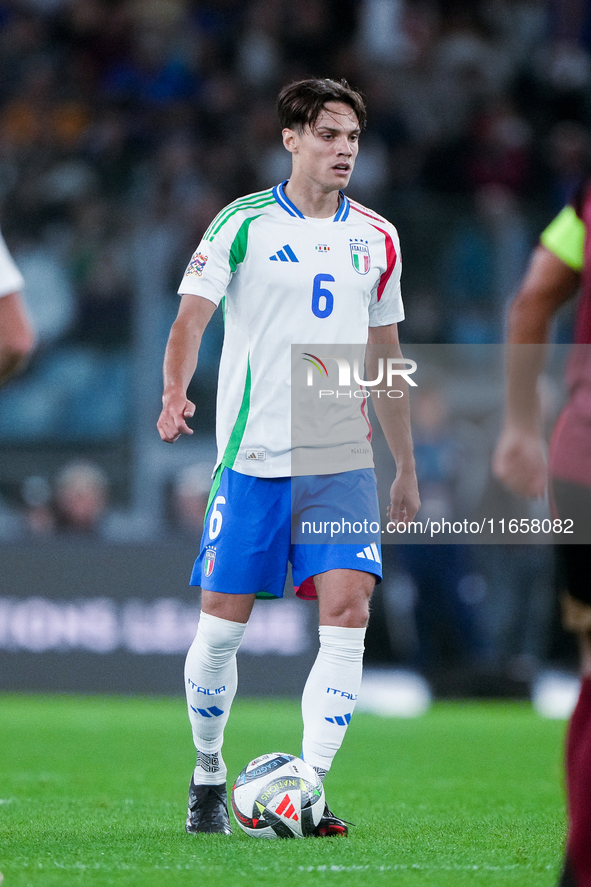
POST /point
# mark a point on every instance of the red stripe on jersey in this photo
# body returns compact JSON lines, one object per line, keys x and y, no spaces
{"x":364,"y":211}
{"x":390,"y":261}
{"x":390,"y":249}
{"x":366,"y":417}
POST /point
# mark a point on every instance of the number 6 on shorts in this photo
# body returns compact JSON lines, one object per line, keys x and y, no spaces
{"x":215,"y":521}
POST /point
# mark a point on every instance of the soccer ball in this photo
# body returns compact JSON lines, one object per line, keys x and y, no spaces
{"x":278,"y":796}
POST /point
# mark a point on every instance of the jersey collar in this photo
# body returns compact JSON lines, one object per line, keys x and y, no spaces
{"x":290,"y":208}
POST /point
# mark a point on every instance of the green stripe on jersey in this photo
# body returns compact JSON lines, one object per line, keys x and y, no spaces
{"x":252,"y":201}
{"x":237,"y":434}
{"x":233,"y":444}
{"x":240,"y":243}
{"x":565,"y":237}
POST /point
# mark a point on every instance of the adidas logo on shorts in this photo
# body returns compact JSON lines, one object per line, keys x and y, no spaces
{"x":370,"y":553}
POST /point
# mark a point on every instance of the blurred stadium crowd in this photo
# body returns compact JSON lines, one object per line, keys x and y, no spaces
{"x":118,"y":116}
{"x":125,"y":125}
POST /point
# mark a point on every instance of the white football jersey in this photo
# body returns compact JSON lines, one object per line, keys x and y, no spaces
{"x":285,"y":279}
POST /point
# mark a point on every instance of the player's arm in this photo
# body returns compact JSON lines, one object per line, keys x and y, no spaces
{"x":17,"y":338}
{"x":394,"y":418}
{"x":180,"y":363}
{"x":519,"y":460}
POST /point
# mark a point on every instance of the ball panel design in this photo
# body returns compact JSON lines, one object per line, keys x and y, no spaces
{"x":278,"y":796}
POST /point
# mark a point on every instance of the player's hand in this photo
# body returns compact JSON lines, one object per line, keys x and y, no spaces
{"x":404,"y":498}
{"x":172,"y":422}
{"x":519,"y":461}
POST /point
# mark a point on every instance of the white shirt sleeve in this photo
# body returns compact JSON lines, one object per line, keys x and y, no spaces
{"x":11,"y":280}
{"x":210,"y":270}
{"x":386,"y":306}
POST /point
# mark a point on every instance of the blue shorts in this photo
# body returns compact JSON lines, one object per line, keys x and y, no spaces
{"x":254,"y":526}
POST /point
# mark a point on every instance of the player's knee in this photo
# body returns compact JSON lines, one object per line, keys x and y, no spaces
{"x":351,"y":611}
{"x":355,"y":617}
{"x":232,"y":607}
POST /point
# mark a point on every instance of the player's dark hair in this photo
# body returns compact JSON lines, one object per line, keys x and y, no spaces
{"x":299,"y":104}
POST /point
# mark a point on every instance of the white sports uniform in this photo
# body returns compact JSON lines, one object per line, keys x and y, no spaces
{"x":11,"y":280}
{"x":285,"y":279}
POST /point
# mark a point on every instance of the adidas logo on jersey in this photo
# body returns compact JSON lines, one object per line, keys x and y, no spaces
{"x":259,"y":455}
{"x":285,"y":254}
{"x":370,"y":553}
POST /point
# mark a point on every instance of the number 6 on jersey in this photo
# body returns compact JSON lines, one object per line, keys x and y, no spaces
{"x":322,"y":299}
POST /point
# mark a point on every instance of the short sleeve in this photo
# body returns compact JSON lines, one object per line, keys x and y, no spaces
{"x":11,"y":280}
{"x":208,"y":272}
{"x":565,"y":237}
{"x":386,"y":299}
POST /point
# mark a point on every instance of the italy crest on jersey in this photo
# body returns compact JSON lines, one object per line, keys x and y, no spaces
{"x":360,"y":256}
{"x":209,"y":561}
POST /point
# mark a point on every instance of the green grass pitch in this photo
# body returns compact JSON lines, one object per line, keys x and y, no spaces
{"x":93,"y":793}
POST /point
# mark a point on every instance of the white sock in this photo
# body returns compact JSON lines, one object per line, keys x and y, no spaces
{"x":331,"y":692}
{"x":211,"y":679}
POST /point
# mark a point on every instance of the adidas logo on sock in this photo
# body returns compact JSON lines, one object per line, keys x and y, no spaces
{"x":285,"y":254}
{"x":212,"y":712}
{"x":341,"y":720}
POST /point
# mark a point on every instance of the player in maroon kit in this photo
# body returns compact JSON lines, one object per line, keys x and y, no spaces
{"x":560,"y":266}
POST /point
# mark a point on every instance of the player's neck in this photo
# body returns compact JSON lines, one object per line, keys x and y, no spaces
{"x":311,"y":199}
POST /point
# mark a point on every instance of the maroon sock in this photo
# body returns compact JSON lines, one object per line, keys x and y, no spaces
{"x":578,"y":782}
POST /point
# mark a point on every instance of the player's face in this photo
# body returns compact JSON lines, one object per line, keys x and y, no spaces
{"x":325,"y":154}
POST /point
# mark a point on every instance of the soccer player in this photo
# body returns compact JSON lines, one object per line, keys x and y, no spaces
{"x":561,"y":264}
{"x":298,"y":263}
{"x":17,"y":338}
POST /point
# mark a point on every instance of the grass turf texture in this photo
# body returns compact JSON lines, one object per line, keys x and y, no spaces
{"x":93,"y":792}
